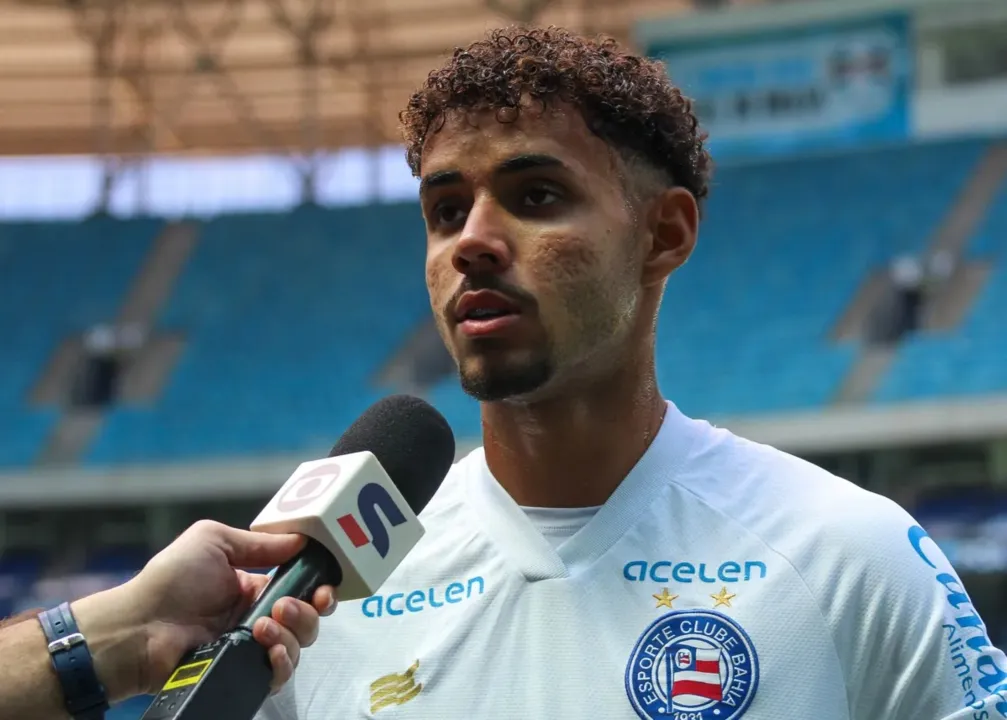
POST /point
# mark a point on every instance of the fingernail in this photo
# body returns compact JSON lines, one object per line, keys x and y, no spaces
{"x":270,"y":632}
{"x":332,"y":601}
{"x":290,"y":612}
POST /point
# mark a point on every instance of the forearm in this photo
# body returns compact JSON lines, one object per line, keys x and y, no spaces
{"x":30,"y":687}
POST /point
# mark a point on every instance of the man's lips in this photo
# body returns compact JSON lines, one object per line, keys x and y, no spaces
{"x":485,"y":312}
{"x":488,"y":326}
{"x":479,"y":304}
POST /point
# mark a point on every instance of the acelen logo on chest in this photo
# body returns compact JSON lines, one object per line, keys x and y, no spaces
{"x":665,"y":571}
{"x":419,"y":600}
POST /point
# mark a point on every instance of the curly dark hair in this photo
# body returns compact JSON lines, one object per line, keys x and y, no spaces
{"x":626,"y":100}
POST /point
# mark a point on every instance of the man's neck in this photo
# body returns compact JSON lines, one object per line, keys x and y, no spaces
{"x":573,"y":450}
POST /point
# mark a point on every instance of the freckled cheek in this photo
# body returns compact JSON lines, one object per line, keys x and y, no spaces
{"x":562,"y":261}
{"x":566,"y":274}
{"x":438,"y":272}
{"x":434,"y":274}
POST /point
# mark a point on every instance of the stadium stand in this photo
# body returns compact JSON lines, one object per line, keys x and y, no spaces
{"x":289,"y":317}
{"x":71,"y":276}
{"x":18,"y":571}
{"x":968,"y":360}
{"x":286,"y":317}
{"x":744,"y":326}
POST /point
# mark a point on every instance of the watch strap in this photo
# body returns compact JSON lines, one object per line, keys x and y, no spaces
{"x":83,"y":694}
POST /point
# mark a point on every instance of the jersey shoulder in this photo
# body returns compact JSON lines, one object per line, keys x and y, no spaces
{"x":852,"y":548}
{"x":884,"y":590}
{"x":794,"y":506}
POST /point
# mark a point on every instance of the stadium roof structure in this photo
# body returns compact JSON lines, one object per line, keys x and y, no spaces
{"x":131,"y":77}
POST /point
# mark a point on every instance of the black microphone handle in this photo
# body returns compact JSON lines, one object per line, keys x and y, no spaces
{"x":299,"y":578}
{"x":228,"y":679}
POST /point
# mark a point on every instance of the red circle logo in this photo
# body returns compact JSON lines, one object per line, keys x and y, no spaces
{"x":308,"y":487}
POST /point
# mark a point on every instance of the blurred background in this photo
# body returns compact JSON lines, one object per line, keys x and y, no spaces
{"x":211,"y":255}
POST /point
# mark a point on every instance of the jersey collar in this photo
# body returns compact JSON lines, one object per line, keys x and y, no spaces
{"x":508,"y":527}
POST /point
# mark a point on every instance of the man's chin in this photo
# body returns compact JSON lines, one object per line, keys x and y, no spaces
{"x":487,"y":385}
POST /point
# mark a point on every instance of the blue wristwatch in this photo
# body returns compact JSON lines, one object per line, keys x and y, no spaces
{"x":83,"y":694}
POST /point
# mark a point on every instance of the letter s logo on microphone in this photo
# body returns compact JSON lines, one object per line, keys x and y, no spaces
{"x":371,"y":498}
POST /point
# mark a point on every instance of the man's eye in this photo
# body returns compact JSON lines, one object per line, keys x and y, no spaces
{"x":446,"y":214}
{"x":540,"y":197}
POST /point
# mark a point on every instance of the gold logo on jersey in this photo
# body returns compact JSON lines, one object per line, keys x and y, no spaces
{"x":395,"y":689}
{"x":665,"y":599}
{"x":723,"y":598}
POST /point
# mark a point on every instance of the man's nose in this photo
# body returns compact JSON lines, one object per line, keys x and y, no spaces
{"x":484,"y":245}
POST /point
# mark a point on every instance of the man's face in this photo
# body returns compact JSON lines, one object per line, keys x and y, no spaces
{"x":532,"y":252}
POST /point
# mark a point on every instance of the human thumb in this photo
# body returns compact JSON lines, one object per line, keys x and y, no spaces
{"x":247,"y":549}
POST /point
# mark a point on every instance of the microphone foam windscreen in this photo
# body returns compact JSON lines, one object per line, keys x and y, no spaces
{"x":412,"y":441}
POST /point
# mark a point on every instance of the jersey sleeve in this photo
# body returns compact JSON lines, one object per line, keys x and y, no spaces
{"x":915,"y":647}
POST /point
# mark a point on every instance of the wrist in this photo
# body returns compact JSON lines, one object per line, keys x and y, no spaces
{"x":116,"y":635}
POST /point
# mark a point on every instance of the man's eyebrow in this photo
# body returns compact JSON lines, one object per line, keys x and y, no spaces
{"x":439,"y":179}
{"x":529,"y":162}
{"x":516,"y":164}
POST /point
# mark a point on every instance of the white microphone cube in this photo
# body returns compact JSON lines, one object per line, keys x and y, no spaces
{"x":350,"y":505}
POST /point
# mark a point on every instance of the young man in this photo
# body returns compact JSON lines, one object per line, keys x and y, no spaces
{"x":604,"y":556}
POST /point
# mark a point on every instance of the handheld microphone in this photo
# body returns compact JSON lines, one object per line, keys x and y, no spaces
{"x":358,"y":509}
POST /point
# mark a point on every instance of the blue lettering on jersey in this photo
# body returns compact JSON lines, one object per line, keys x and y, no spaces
{"x":692,"y":665}
{"x":664,"y":571}
{"x":965,"y":631}
{"x":419,"y":600}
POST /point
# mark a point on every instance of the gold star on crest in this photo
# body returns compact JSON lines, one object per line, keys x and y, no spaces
{"x":723,"y":598}
{"x":665,"y":599}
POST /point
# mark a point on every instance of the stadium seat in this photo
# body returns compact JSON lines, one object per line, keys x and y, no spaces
{"x":460,"y":410}
{"x":56,"y":279}
{"x":18,"y":570}
{"x":745,"y":324}
{"x":970,"y":359}
{"x":117,"y":560}
{"x":288,"y":318}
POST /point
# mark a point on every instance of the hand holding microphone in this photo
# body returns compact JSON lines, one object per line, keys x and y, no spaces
{"x":344,"y":523}
{"x":188,"y":593}
{"x":357,"y":510}
{"x":192,"y":591}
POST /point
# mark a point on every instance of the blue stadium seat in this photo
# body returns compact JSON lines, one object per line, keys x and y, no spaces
{"x":24,"y":563}
{"x":56,"y":279}
{"x":460,"y":410}
{"x":18,"y":570}
{"x":117,"y":560}
{"x":745,"y":324}
{"x":288,"y":317}
{"x":970,"y":359}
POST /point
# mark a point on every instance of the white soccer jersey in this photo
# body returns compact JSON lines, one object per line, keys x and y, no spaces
{"x":722,"y":580}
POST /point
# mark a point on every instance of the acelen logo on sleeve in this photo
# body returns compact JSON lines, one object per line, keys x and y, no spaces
{"x":370,"y":500}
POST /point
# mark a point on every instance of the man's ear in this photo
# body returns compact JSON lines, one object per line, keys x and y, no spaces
{"x":673,"y":222}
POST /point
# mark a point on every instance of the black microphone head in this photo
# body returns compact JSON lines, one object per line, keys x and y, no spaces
{"x":412,"y":441}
